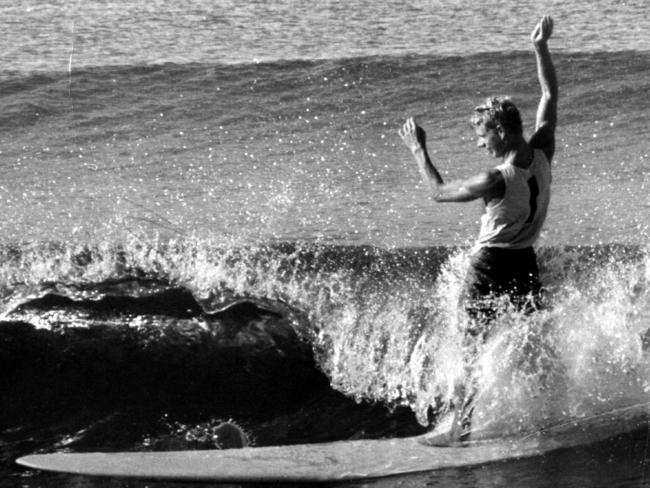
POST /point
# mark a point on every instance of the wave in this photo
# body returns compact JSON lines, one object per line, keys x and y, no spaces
{"x":242,"y":355}
{"x":15,"y":81}
{"x":380,"y":325}
{"x":374,"y":84}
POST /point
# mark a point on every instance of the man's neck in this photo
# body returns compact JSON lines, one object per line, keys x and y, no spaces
{"x":520,"y":154}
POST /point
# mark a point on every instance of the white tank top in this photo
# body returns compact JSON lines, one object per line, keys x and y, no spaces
{"x":515,"y":221}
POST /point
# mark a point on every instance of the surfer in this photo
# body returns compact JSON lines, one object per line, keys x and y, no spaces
{"x":516,"y":196}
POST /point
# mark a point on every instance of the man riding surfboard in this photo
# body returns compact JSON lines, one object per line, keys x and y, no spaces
{"x":516,"y":195}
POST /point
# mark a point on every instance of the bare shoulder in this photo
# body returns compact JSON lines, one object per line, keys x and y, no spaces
{"x":485,"y":178}
{"x":488,"y":184}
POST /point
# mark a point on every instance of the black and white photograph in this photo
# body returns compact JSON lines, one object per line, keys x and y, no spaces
{"x":335,"y":243}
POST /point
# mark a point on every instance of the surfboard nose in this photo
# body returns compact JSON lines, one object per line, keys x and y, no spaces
{"x":31,"y":461}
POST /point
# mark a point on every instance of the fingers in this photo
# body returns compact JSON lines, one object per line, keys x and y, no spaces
{"x":546,"y":26}
{"x":543,"y":30}
{"x":404,"y":130}
{"x":549,"y":25}
{"x":408,"y":127}
{"x":411,"y":124}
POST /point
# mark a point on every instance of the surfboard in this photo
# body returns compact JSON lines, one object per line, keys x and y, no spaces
{"x":338,"y":461}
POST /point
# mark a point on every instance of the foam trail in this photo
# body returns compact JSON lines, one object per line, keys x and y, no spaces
{"x":385,"y":325}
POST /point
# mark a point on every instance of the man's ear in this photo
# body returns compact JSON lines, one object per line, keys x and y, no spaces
{"x":501,"y":131}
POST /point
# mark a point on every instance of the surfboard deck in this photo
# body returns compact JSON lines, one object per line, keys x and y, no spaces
{"x":335,"y":461}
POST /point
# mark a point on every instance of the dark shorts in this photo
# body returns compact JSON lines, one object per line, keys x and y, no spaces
{"x":495,"y":272}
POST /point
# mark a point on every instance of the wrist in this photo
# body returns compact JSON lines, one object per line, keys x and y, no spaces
{"x":540,"y":45}
{"x":417,"y":149}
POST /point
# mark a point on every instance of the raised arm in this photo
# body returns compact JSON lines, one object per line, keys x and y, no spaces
{"x":486,"y":185}
{"x":544,"y":136}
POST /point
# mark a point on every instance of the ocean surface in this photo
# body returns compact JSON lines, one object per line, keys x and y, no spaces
{"x":212,"y":236}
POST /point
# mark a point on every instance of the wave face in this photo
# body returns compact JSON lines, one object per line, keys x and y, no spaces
{"x":186,"y":319}
{"x":308,"y":150}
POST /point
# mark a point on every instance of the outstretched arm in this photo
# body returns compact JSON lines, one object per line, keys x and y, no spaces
{"x":544,"y":136}
{"x":486,"y":185}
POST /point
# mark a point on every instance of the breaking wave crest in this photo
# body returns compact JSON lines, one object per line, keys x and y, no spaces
{"x":382,"y":325}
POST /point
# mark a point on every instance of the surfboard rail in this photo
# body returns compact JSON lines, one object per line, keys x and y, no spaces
{"x":336,"y":461}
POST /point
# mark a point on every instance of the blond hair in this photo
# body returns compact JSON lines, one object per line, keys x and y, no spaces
{"x":498,"y":111}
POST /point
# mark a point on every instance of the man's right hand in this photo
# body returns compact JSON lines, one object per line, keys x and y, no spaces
{"x":542,"y":31}
{"x":413,"y":135}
